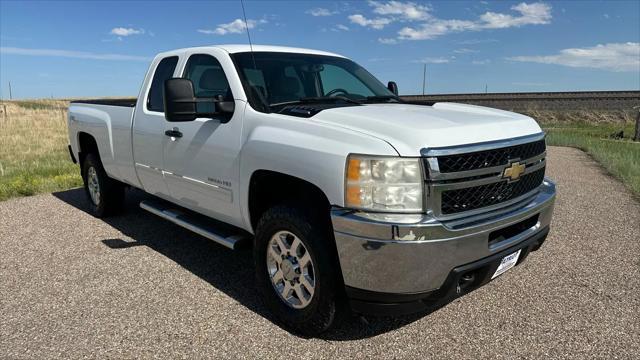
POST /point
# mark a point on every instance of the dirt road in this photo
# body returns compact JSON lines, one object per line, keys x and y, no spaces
{"x":137,"y":286}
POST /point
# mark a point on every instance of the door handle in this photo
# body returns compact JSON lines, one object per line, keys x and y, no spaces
{"x":174,"y":133}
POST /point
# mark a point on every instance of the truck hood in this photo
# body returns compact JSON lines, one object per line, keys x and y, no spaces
{"x":410,"y":128}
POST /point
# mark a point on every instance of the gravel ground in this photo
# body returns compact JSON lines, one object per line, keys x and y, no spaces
{"x":136,"y":286}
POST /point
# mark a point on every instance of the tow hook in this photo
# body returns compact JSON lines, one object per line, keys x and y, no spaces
{"x":465,"y":281}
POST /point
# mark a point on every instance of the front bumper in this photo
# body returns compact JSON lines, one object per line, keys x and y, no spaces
{"x":399,"y":256}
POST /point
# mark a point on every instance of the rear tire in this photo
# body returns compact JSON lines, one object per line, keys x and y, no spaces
{"x":308,"y":252}
{"x":105,"y":195}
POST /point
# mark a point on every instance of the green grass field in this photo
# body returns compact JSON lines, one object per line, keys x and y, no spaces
{"x":621,"y":158}
{"x":33,"y":149}
{"x":34,"y":157}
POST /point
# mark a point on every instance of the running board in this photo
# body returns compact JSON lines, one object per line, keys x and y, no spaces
{"x":199,"y":224}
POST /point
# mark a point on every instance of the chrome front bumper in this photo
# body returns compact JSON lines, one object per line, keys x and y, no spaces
{"x":395,"y":253}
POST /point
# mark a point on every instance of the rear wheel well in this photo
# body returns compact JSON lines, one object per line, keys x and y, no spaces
{"x":270,"y":188}
{"x":87,"y":145}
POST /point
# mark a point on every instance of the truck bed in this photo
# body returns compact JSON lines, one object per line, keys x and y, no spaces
{"x":109,"y":122}
{"x":127,"y":102}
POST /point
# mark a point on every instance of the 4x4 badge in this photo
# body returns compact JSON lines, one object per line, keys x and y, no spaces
{"x":514,"y":171}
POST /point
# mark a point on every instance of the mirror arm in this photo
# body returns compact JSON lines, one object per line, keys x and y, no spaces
{"x":201,"y":100}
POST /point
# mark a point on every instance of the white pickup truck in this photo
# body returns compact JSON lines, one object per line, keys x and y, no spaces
{"x":351,"y":197}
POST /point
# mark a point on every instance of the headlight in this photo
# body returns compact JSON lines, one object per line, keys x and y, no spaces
{"x":384,"y":184}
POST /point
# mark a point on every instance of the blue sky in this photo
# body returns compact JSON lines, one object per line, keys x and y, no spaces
{"x":102,"y":48}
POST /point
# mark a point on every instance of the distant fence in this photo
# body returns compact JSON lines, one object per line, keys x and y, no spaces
{"x":584,"y":100}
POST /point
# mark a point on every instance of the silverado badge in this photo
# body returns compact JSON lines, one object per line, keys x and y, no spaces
{"x":514,"y":171}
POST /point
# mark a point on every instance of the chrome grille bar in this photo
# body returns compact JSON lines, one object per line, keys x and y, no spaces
{"x":480,"y":179}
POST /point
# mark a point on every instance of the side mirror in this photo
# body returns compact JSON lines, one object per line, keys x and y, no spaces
{"x":224,"y":107}
{"x":180,"y":103}
{"x":393,"y":87}
{"x":179,"y":100}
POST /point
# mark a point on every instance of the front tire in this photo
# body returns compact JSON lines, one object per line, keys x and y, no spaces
{"x":297,"y":271}
{"x":105,"y":195}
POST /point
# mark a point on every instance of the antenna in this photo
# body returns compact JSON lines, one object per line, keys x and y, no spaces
{"x":246,"y":26}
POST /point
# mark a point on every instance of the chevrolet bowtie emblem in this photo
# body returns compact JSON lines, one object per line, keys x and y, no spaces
{"x":514,"y":171}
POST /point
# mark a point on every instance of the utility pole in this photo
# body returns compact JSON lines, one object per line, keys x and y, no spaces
{"x":636,"y":136}
{"x":10,"y":95}
{"x":424,"y":78}
{"x":485,"y":88}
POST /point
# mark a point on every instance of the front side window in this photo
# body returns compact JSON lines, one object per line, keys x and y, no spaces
{"x":164,"y":71}
{"x":271,"y":79}
{"x":209,"y":80}
{"x":208,"y":77}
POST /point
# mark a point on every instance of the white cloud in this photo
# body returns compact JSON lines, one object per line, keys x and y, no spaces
{"x":387,"y":41}
{"x":336,"y":28}
{"x":476,"y":41}
{"x":121,"y":31}
{"x":530,"y":14}
{"x":435,"y":28}
{"x":465,"y":51}
{"x":71,"y":54}
{"x":406,"y":11}
{"x":606,"y":16}
{"x":320,"y":12}
{"x":377,"y":23}
{"x":613,"y":57}
{"x":434,"y":60}
{"x":237,"y":26}
{"x":481,"y":62}
{"x":428,"y":26}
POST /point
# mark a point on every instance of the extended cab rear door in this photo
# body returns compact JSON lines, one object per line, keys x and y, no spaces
{"x":149,"y":127}
{"x":201,"y":168}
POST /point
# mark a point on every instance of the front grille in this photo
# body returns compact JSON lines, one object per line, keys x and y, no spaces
{"x":455,"y":201}
{"x":489,"y":158}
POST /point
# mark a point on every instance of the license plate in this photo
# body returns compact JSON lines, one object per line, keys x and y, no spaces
{"x":507,"y":263}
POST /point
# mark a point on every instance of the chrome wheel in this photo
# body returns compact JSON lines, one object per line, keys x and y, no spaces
{"x":291,"y":269}
{"x":93,"y":185}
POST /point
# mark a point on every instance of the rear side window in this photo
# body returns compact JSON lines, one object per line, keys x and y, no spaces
{"x":164,"y":71}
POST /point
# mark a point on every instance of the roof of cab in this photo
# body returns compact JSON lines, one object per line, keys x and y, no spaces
{"x":238,"y":48}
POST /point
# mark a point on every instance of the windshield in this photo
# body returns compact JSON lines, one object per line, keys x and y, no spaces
{"x":280,"y":78}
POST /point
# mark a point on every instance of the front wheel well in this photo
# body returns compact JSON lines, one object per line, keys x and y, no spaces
{"x":270,"y":188}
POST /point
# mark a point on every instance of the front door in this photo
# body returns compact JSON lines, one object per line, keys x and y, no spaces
{"x":148,"y":129}
{"x":201,"y":166}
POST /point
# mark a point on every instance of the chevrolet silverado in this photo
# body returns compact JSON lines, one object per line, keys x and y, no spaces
{"x":352,"y":198}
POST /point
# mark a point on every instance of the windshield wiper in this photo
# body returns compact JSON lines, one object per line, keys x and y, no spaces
{"x":317,"y":100}
{"x":383,"y":98}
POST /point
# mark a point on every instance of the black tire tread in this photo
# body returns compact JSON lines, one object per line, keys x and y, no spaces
{"x":328,"y":308}
{"x":111,"y":191}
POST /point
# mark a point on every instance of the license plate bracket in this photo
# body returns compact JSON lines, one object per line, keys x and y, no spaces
{"x":507,"y":263}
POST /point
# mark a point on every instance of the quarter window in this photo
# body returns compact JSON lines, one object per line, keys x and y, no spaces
{"x":164,"y":71}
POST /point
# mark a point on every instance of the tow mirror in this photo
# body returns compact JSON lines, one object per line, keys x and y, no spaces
{"x":179,"y":100}
{"x":180,"y":103}
{"x":224,"y":107}
{"x":393,"y":87}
